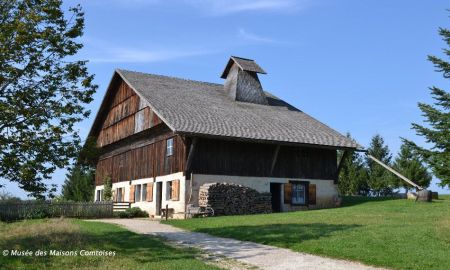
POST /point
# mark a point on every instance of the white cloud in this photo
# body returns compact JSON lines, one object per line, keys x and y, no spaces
{"x":212,"y":7}
{"x":222,"y":7}
{"x":101,"y":51}
{"x":132,"y":55}
{"x":248,"y":36}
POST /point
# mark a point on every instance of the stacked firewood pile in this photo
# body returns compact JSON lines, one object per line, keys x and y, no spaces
{"x":233,"y":199}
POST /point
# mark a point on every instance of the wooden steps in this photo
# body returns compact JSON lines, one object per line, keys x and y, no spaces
{"x":121,"y":206}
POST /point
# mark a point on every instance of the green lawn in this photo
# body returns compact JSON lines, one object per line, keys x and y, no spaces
{"x":133,"y":251}
{"x":398,"y":234}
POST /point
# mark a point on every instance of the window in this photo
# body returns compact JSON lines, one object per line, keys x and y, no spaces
{"x":99,"y":195}
{"x":173,"y":190}
{"x":119,"y":195}
{"x":169,"y":190}
{"x":137,"y":193}
{"x":169,"y":147}
{"x":144,"y":192}
{"x":298,"y":193}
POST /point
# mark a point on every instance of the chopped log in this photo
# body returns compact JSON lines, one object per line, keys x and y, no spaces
{"x":233,"y":199}
{"x":424,"y":195}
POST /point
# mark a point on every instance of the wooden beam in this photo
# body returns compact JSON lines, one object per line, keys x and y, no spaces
{"x":191,"y":155}
{"x":274,"y":159}
{"x":395,"y":172}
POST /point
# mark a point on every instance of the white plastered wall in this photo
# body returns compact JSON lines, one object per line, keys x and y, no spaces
{"x":179,"y":205}
{"x":326,"y":190}
{"x":144,"y":205}
{"x":150,"y":207}
{"x":101,"y":187}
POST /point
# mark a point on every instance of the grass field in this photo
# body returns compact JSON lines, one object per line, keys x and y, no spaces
{"x":398,"y":234}
{"x":132,"y":251}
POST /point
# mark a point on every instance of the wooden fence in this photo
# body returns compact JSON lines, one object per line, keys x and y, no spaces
{"x":10,"y":211}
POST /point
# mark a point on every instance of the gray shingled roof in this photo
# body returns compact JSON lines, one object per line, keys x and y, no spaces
{"x":244,"y":64}
{"x":202,"y":108}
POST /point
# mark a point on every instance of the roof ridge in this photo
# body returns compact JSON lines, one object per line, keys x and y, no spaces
{"x":243,"y":58}
{"x":170,"y":77}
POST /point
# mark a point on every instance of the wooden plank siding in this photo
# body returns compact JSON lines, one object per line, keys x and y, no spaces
{"x":143,"y":162}
{"x":133,"y":140}
{"x":127,"y":115}
{"x":223,"y":157}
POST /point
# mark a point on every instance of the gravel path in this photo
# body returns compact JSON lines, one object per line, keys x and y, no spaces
{"x":249,"y":254}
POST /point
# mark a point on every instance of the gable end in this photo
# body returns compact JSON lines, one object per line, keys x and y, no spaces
{"x":123,"y":113}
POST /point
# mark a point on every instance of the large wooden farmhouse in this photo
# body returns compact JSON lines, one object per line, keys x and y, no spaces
{"x":161,"y":138}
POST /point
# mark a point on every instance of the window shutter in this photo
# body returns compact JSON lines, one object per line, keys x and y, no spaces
{"x":150,"y":192}
{"x":132,"y":193}
{"x":175,"y":190}
{"x":288,"y":193}
{"x":312,"y":194}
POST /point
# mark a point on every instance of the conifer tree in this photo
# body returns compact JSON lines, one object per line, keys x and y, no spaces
{"x":380,"y":180}
{"x":437,"y":119}
{"x":409,"y":164}
{"x":79,"y":184}
{"x":107,"y":191}
{"x":353,"y":175}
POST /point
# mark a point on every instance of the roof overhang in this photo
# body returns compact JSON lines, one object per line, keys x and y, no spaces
{"x":286,"y":143}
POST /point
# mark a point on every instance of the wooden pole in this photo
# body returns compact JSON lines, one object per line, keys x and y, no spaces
{"x":395,"y":172}
{"x":167,"y":211}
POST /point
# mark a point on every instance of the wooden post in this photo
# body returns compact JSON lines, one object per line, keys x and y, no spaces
{"x":167,"y":211}
{"x":274,"y":159}
{"x":190,"y":156}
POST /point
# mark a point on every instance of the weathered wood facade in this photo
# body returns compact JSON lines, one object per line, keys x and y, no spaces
{"x":143,"y":162}
{"x":127,"y":115}
{"x":242,"y":158}
{"x":133,"y":140}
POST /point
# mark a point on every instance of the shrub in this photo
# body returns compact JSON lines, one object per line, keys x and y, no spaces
{"x":132,"y":212}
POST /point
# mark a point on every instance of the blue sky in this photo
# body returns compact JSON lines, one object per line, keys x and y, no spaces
{"x":358,"y":66}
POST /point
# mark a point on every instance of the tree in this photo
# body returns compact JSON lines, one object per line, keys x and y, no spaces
{"x":79,"y":184}
{"x":42,"y":90}
{"x":437,"y":130}
{"x":380,"y":181}
{"x":6,"y":196}
{"x":353,"y":175}
{"x":107,"y":190}
{"x":409,"y":164}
